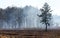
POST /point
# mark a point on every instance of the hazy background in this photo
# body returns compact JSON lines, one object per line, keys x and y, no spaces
{"x":23,"y":13}
{"x":35,"y":3}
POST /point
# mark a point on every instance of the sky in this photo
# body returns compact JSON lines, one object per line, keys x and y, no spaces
{"x":35,"y":3}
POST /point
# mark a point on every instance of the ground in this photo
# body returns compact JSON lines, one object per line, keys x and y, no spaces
{"x":29,"y":34}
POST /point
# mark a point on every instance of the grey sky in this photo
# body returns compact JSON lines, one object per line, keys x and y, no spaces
{"x":55,"y":4}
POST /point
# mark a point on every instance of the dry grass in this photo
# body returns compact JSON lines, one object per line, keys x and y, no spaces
{"x":31,"y":33}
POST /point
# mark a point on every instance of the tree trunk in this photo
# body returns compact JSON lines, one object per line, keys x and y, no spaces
{"x":46,"y":27}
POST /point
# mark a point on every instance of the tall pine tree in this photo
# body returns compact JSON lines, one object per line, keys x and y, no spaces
{"x":46,"y":15}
